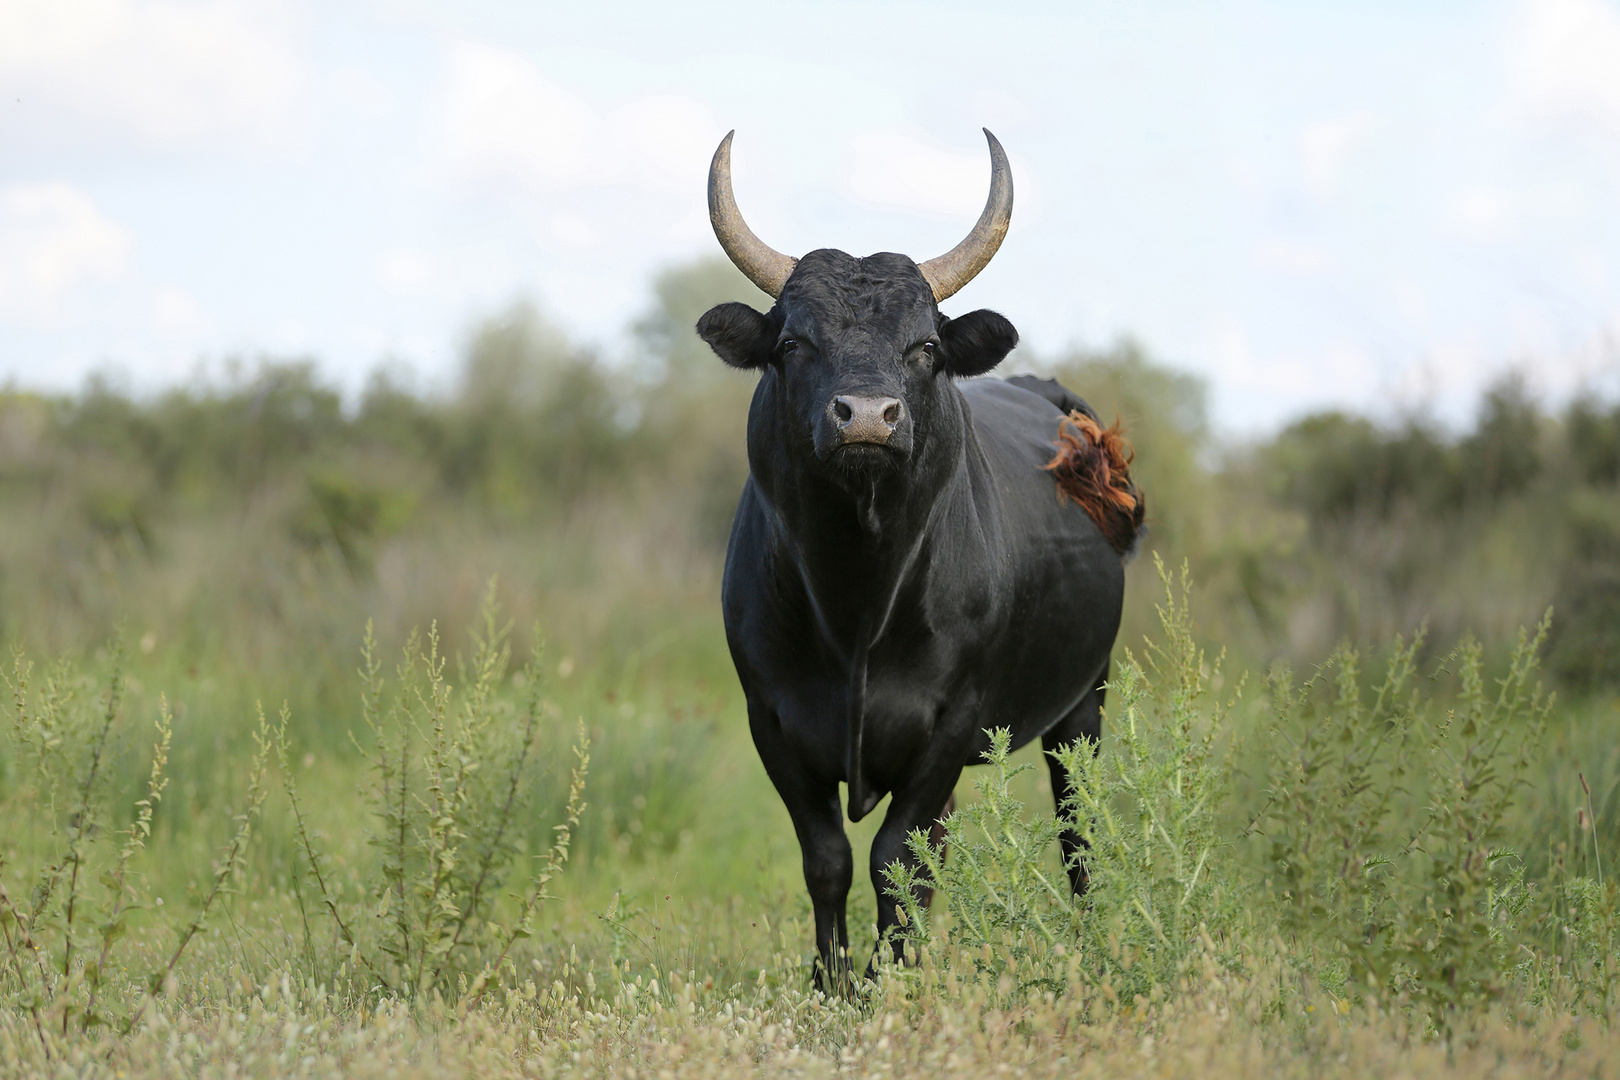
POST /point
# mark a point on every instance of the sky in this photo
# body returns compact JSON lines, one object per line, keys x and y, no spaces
{"x":1376,"y":206}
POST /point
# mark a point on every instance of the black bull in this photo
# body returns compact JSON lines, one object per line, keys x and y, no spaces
{"x":903,"y":570}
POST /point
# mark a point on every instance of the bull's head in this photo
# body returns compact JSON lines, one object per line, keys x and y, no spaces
{"x":858,"y":346}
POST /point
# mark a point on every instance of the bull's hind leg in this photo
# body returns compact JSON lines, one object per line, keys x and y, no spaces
{"x":818,"y":820}
{"x":1083,"y":722}
{"x":936,"y":840}
{"x":919,"y":806}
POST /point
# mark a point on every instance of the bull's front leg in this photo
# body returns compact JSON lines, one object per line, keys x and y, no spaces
{"x":829,"y":865}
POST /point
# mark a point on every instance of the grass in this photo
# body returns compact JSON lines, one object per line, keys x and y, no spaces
{"x":1395,"y":859}
{"x":340,"y":922}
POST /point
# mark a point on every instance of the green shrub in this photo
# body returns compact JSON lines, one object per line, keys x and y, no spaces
{"x":1149,"y":805}
{"x":1387,"y":825}
{"x":448,"y":795}
{"x":65,"y":962}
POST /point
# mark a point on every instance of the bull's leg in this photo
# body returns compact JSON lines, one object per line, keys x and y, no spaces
{"x":1084,"y":722}
{"x":918,"y":807}
{"x":936,"y":840}
{"x":829,"y":866}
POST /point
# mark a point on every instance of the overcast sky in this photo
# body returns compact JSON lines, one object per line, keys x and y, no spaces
{"x":1375,"y":205}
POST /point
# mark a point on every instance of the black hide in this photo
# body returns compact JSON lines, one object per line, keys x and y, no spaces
{"x":887,"y":601}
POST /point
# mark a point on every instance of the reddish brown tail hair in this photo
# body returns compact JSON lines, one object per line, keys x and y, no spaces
{"x":1093,"y":468}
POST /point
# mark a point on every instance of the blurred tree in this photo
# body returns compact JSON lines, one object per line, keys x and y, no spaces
{"x":1585,"y":648}
{"x":1594,"y":440}
{"x":1503,"y":453}
{"x":671,"y":351}
{"x":1334,"y":466}
{"x":693,"y":407}
{"x":535,"y":419}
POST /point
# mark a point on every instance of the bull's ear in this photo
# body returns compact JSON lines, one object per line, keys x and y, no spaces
{"x":738,"y":334}
{"x":975,"y":343}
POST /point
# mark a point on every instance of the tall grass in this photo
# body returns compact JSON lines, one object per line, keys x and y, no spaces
{"x":1149,"y":808}
{"x":66,"y":964}
{"x":1387,"y":880}
{"x":449,"y":789}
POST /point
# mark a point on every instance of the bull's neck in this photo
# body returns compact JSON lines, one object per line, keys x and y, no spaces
{"x":857,"y":545}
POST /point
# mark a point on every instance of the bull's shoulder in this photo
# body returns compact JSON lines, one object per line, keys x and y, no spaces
{"x":1012,"y":422}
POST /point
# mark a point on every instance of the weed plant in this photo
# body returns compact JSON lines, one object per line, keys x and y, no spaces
{"x":1417,"y":896}
{"x":1387,"y":880}
{"x":448,"y":796}
{"x":66,"y":965}
{"x":1162,"y":897}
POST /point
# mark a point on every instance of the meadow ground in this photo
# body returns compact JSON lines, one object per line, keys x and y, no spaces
{"x":233,"y":845}
{"x":675,"y":940}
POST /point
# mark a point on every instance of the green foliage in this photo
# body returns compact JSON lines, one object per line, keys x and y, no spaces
{"x":1335,"y":466}
{"x":1594,"y":441}
{"x":1149,"y":806}
{"x":1580,"y":959}
{"x":65,"y":964}
{"x":1388,"y":823}
{"x":448,"y":795}
{"x":1585,"y":642}
{"x":1012,"y":916}
{"x":1387,"y":866}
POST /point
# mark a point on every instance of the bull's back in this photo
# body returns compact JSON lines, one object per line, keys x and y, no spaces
{"x":1068,"y":580}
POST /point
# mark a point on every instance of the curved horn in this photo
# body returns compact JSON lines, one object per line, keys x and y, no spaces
{"x":765,"y":266}
{"x":958,"y":266}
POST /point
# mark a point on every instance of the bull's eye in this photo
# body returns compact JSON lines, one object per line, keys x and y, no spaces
{"x":788,"y":345}
{"x":929,"y":348}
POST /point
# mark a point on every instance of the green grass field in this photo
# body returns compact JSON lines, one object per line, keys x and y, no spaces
{"x":676,"y":939}
{"x":1334,"y":834}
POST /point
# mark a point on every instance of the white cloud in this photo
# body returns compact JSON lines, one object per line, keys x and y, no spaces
{"x":177,"y":314}
{"x":1481,"y":214}
{"x":1565,"y":56}
{"x":505,"y":121}
{"x":502,"y":121}
{"x":53,"y":240}
{"x":364,"y":93}
{"x":161,"y":71}
{"x":573,"y":230}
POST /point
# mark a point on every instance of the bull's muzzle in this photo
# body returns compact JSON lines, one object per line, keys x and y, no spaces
{"x":865,"y":419}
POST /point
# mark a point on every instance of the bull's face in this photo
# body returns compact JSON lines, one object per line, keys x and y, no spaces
{"x":857,"y":347}
{"x":859,"y":350}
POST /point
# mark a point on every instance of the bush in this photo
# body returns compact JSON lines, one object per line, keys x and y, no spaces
{"x":65,"y":964}
{"x":1387,"y":824}
{"x":448,"y":796}
{"x":1386,"y":869}
{"x":1149,"y":805}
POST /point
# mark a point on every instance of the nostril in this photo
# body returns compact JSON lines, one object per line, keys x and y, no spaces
{"x":842,"y":411}
{"x":891,"y":415}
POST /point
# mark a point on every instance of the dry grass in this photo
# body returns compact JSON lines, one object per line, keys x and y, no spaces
{"x":1219,"y":1028}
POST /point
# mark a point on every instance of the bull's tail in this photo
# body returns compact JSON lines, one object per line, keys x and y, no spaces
{"x":1093,"y":468}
